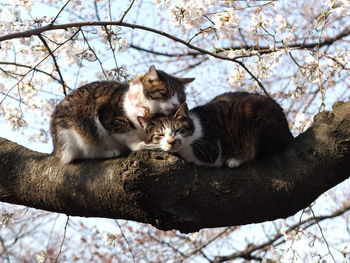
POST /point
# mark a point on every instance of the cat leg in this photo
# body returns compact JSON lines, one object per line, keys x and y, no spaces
{"x":68,"y":148}
{"x":233,"y":163}
{"x":67,"y":155}
{"x":138,"y":146}
{"x":112,"y":153}
{"x":144,"y":146}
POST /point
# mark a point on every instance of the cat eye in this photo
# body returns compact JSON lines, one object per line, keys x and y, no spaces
{"x":181,"y":131}
{"x":157,"y":137}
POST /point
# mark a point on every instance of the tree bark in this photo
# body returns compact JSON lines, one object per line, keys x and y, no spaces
{"x":161,"y":189}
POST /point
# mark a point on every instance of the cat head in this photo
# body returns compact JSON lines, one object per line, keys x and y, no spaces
{"x":168,"y":133}
{"x":161,"y":92}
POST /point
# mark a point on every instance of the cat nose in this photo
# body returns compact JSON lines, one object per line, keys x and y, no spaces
{"x":175,"y":105}
{"x":171,"y":142}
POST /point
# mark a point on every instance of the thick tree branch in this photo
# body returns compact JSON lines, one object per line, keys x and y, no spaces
{"x":161,"y":189}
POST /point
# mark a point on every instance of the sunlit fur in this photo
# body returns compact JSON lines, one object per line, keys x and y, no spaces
{"x":233,"y":128}
{"x":98,"y":121}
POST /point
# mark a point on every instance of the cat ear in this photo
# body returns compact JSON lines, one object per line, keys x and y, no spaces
{"x":144,"y":122}
{"x":185,"y":80}
{"x":152,"y":73}
{"x":182,"y":110}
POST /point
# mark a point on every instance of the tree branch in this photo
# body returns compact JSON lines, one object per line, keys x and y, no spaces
{"x":54,"y":61}
{"x":29,"y":67}
{"x":38,"y":31}
{"x":161,"y":189}
{"x":126,"y":11}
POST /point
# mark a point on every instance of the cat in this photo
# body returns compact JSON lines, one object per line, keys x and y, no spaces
{"x":233,"y":128}
{"x":99,"y":119}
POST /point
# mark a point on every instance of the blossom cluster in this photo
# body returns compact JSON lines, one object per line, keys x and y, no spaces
{"x":226,"y":22}
{"x":341,"y":7}
{"x":264,"y":67}
{"x":188,"y":14}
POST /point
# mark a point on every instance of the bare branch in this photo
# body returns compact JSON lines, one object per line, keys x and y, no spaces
{"x":59,"y":12}
{"x":36,"y":65}
{"x":64,"y":237}
{"x":55,"y":62}
{"x":305,"y":224}
{"x":126,"y":240}
{"x":126,"y":11}
{"x":39,"y":30}
{"x":35,"y":69}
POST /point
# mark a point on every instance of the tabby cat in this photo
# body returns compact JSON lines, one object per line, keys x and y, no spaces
{"x":233,"y":128}
{"x":99,"y":120}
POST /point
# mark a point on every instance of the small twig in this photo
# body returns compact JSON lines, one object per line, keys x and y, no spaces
{"x":109,"y":36}
{"x":127,"y":242}
{"x":324,"y":238}
{"x":93,"y":52}
{"x":64,"y":237}
{"x":36,"y":65}
{"x":191,"y":66}
{"x":201,"y":31}
{"x":26,"y":66}
{"x":305,"y":224}
{"x":343,"y":66}
{"x":59,"y":12}
{"x":254,"y":77}
{"x":51,"y":232}
{"x":96,"y":11}
{"x":126,"y":11}
{"x":55,"y":62}
{"x":49,"y":27}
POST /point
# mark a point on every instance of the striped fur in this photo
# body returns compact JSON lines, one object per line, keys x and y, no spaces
{"x":96,"y":120}
{"x":233,"y":128}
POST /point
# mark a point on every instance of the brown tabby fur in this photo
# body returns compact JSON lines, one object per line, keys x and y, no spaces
{"x":239,"y":125}
{"x":103,"y":100}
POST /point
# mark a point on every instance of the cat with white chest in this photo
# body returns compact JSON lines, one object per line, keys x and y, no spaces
{"x":99,"y":120}
{"x":233,"y":128}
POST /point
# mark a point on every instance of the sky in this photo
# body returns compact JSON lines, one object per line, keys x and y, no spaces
{"x":22,"y":138}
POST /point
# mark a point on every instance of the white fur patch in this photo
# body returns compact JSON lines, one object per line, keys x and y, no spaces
{"x":71,"y":145}
{"x":133,"y":110}
{"x":233,"y":163}
{"x":130,"y":140}
{"x":186,"y":151}
{"x":170,"y":105}
{"x":107,"y":146}
{"x":164,"y":145}
{"x":74,"y":147}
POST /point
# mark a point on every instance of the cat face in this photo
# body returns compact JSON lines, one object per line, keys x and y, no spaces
{"x":168,"y":133}
{"x":163,"y":92}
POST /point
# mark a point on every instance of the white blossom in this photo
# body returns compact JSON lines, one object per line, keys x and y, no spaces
{"x":258,"y":20}
{"x":301,"y":122}
{"x":189,"y":14}
{"x":236,"y":77}
{"x":281,"y":22}
{"x":285,"y":231}
{"x":109,"y":239}
{"x":340,"y":7}
{"x":123,"y":44}
{"x":226,"y":22}
{"x":40,"y":258}
{"x":287,"y":38}
{"x":162,"y":3}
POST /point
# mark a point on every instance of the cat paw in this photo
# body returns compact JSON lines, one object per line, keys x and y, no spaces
{"x":138,"y":146}
{"x":111,"y":153}
{"x":233,"y":163}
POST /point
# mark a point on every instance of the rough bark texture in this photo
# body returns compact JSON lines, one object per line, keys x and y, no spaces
{"x":161,"y":189}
